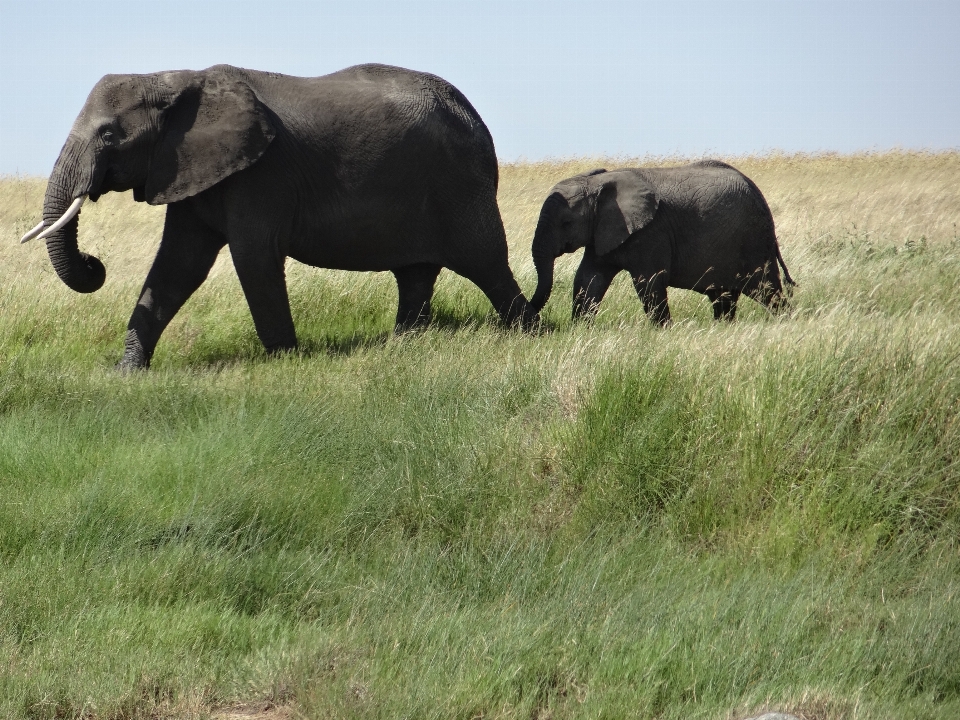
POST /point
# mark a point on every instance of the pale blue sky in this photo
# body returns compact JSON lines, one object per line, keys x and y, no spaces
{"x":552,"y":78}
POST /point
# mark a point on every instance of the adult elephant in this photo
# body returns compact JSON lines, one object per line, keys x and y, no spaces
{"x":703,"y":227}
{"x":370,"y":168}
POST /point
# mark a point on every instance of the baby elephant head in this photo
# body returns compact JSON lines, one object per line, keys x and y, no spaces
{"x":165,"y":136}
{"x":599,"y":209}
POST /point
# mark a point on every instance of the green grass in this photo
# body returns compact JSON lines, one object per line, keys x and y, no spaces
{"x":604,"y":520}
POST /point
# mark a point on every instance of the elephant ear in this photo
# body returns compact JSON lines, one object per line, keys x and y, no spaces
{"x":213,"y":127}
{"x":625,"y":203}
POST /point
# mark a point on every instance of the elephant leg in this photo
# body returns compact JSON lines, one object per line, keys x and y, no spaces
{"x":590,"y":284}
{"x":187,"y":251}
{"x":724,"y":303}
{"x":765,"y":287}
{"x":653,"y":293}
{"x":264,"y":284}
{"x":415,"y":287}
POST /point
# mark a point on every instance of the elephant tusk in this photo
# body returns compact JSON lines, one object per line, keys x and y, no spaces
{"x":32,"y":233}
{"x":64,"y":219}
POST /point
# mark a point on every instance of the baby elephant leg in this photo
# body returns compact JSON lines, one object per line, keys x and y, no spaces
{"x":590,"y":284}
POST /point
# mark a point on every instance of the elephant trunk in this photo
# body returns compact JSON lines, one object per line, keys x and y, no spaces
{"x":544,"y":266}
{"x":543,"y":260}
{"x":79,"y":271}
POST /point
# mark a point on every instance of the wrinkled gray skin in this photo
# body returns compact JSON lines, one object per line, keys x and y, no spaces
{"x":703,"y":227}
{"x":369,"y":168}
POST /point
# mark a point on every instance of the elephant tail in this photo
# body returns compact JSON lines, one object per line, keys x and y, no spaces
{"x":786,"y":273}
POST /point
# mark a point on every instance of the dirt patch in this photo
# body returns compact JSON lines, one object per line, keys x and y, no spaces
{"x":253,"y":711}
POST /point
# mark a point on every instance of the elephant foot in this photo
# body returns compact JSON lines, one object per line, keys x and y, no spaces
{"x":412,"y":320}
{"x":411,"y":328}
{"x":521,"y":315}
{"x":126,"y":368}
{"x":134,"y":356}
{"x":280,"y":348}
{"x":780,"y":305}
{"x":660,"y":316}
{"x":530,"y":320}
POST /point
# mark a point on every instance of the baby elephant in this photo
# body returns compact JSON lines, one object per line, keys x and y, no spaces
{"x":703,"y":227}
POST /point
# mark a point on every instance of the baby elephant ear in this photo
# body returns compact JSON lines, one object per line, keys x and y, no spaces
{"x":591,"y":173}
{"x":625,"y":203}
{"x":214,"y":127}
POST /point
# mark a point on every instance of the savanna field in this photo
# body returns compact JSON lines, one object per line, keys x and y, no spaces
{"x":603,"y":520}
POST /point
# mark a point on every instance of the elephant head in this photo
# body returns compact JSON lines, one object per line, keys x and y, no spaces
{"x":165,"y":136}
{"x":597,"y":208}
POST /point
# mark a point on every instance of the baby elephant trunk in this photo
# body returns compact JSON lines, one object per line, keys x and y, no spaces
{"x":544,"y":256}
{"x":544,"y":265}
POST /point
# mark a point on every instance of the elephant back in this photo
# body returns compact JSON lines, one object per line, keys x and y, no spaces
{"x":435,"y":108}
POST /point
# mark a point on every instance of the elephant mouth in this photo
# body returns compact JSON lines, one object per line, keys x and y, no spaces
{"x":106,"y":184}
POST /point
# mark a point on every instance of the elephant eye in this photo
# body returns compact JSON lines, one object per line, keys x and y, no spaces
{"x":107,"y":137}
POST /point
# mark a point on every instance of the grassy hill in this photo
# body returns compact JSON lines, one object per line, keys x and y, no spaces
{"x":604,"y":520}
